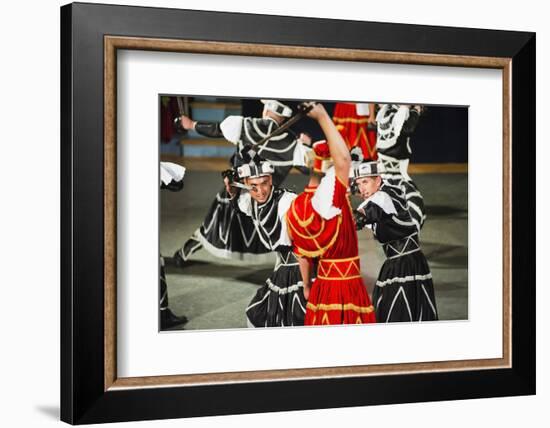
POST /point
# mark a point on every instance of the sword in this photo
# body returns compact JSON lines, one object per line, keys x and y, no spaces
{"x":240,"y":185}
{"x":231,"y":175}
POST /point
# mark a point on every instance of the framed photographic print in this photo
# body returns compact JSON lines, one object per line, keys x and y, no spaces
{"x":256,"y":207}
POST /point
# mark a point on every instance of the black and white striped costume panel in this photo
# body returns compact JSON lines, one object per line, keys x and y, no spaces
{"x":404,"y":289}
{"x":226,"y":232}
{"x":280,"y":301}
{"x":283,"y":151}
{"x":395,"y":124}
{"x":279,"y":150}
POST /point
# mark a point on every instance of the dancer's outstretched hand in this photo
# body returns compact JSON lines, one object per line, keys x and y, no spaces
{"x":318,"y":111}
{"x":186,"y":122}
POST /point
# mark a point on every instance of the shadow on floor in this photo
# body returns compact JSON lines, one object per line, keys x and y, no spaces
{"x":207,"y":269}
{"x":446,"y":255}
{"x":256,"y":277}
{"x":446,"y":211}
{"x":50,"y":411}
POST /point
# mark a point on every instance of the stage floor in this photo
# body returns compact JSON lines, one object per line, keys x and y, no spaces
{"x":213,"y":293}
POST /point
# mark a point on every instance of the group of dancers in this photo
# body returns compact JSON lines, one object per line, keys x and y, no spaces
{"x":314,"y":234}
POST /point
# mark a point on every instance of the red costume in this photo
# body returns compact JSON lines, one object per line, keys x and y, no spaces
{"x":321,"y":225}
{"x":354,"y":129}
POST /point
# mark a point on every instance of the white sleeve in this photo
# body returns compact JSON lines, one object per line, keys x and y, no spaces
{"x":362,"y":109}
{"x":383,"y":200}
{"x":399,"y":119}
{"x":245,"y":203}
{"x":232,"y":127}
{"x":300,"y":154}
{"x":322,"y":201}
{"x":381,"y":112}
{"x":283,"y":206}
{"x":171,"y":171}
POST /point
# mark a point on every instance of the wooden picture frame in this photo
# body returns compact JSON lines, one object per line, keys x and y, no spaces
{"x":90,"y":389}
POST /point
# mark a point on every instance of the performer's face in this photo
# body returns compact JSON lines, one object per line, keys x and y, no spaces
{"x":368,"y":186}
{"x":260,"y":188}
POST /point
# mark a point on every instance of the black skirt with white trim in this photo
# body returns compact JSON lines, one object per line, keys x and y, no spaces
{"x":404,"y":291}
{"x":280,"y":301}
{"x":227,"y":232}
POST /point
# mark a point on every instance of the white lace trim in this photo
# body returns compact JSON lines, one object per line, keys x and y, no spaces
{"x":403,"y":279}
{"x":284,"y":290}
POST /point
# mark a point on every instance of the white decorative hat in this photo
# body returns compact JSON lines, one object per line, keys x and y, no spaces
{"x":277,"y":108}
{"x":252,"y":170}
{"x":366,"y":169}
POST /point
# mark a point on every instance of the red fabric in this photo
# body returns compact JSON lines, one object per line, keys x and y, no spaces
{"x":311,"y":234}
{"x":168,"y":112}
{"x":354,"y":129}
{"x":338,"y":295}
{"x":322,"y":153}
{"x":321,"y":149}
{"x":331,"y":269}
{"x":339,"y":302}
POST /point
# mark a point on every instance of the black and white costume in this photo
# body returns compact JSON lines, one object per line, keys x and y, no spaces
{"x":228,"y":233}
{"x":225,"y":232}
{"x":395,"y":125}
{"x":280,"y":301}
{"x":171,"y":178}
{"x":283,"y":151}
{"x":404,"y":290}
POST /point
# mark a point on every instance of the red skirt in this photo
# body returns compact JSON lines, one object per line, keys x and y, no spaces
{"x":338,"y":295}
{"x":354,"y":130}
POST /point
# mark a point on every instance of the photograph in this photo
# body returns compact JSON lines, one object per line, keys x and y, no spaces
{"x":256,"y":207}
{"x":291,"y":213}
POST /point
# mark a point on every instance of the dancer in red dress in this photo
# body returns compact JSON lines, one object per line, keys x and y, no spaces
{"x":322,"y":228}
{"x":357,"y":124}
